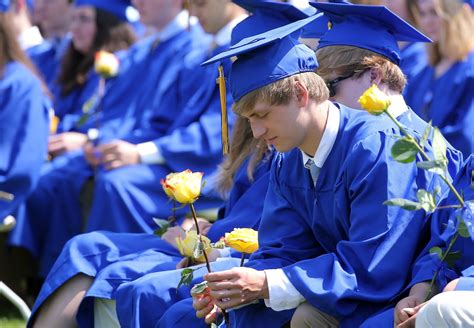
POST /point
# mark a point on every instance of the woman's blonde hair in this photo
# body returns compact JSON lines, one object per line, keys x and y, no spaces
{"x":456,"y":39}
{"x":242,"y":147}
{"x":346,"y":60}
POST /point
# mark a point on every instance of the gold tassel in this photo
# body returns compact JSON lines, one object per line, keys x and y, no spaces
{"x":224,"y":125}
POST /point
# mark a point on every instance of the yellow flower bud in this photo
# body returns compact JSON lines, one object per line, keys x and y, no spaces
{"x":243,"y":240}
{"x":184,"y":187}
{"x":374,"y":101}
{"x":53,"y":125}
{"x":187,"y":245}
{"x":106,"y":64}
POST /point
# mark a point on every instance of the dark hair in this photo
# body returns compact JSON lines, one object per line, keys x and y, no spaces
{"x":112,"y":35}
{"x":10,"y":49}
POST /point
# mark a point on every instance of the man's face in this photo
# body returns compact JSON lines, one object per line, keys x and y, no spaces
{"x":52,"y":14}
{"x":157,"y":13}
{"x":212,"y":14}
{"x":279,"y":125}
{"x":348,"y":90}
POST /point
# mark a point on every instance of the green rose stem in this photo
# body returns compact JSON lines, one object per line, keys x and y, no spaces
{"x":193,"y":211}
{"x":451,"y":187}
{"x":422,"y":152}
{"x":432,"y":282}
{"x":242,"y":259}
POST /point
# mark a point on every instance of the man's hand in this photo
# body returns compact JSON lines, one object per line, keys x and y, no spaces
{"x":237,"y":286}
{"x":64,"y":142}
{"x":205,"y":307}
{"x":92,"y":155}
{"x":451,"y":285}
{"x":118,"y":153}
{"x":407,"y":308}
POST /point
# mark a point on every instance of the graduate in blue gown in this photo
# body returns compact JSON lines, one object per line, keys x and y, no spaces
{"x":24,"y":119}
{"x":47,"y":55}
{"x":350,"y":66}
{"x":325,"y":237}
{"x":159,"y":66}
{"x":114,"y":258}
{"x":442,"y":91}
{"x":458,"y":277}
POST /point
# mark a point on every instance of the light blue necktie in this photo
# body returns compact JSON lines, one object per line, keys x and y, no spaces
{"x":313,"y":169}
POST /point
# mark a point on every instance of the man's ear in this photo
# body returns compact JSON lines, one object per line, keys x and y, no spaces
{"x":375,"y":76}
{"x":302,"y":94}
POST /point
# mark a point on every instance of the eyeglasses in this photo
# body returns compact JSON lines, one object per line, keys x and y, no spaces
{"x":332,"y":84}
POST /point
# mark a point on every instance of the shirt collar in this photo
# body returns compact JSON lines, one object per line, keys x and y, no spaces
{"x":397,"y":106}
{"x":222,"y":37}
{"x":178,"y":24}
{"x":328,"y":139}
{"x":30,"y":37}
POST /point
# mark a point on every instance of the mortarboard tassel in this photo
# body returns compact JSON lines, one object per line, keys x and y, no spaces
{"x":224,"y":124}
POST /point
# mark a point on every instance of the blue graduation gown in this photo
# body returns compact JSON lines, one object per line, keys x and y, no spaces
{"x":339,"y":261}
{"x":447,"y":100}
{"x":132,"y":195}
{"x":115,"y":258}
{"x":24,"y":128}
{"x":424,"y":267}
{"x":414,"y":59}
{"x":47,"y":58}
{"x":57,"y":194}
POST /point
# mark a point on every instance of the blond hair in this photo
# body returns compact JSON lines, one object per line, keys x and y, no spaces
{"x":282,"y":91}
{"x":243,"y":146}
{"x":346,"y":60}
{"x":456,"y":39}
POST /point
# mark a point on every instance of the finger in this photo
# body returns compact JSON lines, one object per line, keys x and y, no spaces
{"x":410,"y":323}
{"x":212,"y":316}
{"x":221,"y":285}
{"x":114,"y":165}
{"x":201,"y":303}
{"x":401,"y":316}
{"x":202,"y":313}
{"x":219,"y":276}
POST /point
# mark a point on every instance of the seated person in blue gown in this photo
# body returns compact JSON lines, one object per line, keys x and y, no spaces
{"x":442,"y":91}
{"x":95,"y":26}
{"x":24,"y":120}
{"x":350,"y":67}
{"x":55,"y":29}
{"x":171,"y":102}
{"x":454,"y":306}
{"x":327,"y":242}
{"x":99,"y":261}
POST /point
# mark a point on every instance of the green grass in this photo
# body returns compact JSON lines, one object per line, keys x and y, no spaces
{"x":10,"y":317}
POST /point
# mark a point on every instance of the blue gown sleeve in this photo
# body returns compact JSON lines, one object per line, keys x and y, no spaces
{"x":195,"y":137}
{"x":24,"y":128}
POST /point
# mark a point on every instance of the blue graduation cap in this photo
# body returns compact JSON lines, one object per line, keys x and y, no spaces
{"x":470,"y":2}
{"x":4,"y":5}
{"x":117,"y":7}
{"x":267,"y":58}
{"x":265,"y":15}
{"x":374,"y":28}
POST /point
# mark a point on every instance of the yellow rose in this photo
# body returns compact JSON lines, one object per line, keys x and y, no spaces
{"x":243,"y":240}
{"x":184,"y":187}
{"x":374,"y":101}
{"x":187,"y":245}
{"x":106,"y":64}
